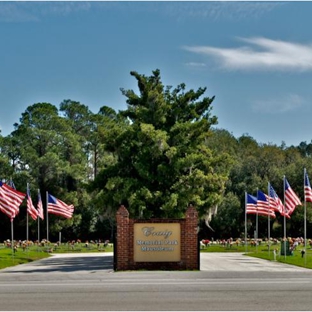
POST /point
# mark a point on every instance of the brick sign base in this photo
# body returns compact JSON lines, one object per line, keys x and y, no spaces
{"x":187,"y":244}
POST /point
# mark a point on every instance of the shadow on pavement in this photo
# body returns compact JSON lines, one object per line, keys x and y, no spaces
{"x":66,"y":265}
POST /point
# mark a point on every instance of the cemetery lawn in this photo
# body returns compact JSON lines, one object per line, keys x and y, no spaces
{"x":8,"y":258}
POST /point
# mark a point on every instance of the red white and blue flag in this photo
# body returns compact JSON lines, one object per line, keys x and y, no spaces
{"x":307,"y":189}
{"x":31,"y":210}
{"x":259,"y":205}
{"x":57,"y":207}
{"x":10,"y":200}
{"x":40,"y":207}
{"x":263,"y":205}
{"x":291,"y":199}
{"x":251,"y":203}
{"x":275,"y":201}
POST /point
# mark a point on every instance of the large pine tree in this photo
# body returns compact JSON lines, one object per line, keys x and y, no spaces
{"x":162,"y":160}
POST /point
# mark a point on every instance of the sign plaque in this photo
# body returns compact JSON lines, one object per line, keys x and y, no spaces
{"x":157,"y":242}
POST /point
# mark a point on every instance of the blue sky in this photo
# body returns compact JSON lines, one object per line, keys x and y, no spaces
{"x":254,"y":57}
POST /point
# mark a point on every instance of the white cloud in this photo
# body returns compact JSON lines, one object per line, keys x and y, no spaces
{"x":284,"y":104}
{"x":218,"y":10}
{"x":35,"y":11}
{"x":11,"y":12}
{"x":25,"y":11}
{"x":194,"y":64}
{"x":261,"y":54}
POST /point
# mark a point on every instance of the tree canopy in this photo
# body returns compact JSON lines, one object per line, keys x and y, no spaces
{"x":162,"y":160}
{"x":158,"y":156}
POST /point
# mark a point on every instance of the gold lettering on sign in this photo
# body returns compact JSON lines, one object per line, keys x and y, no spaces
{"x":147,"y":231}
{"x":157,"y":242}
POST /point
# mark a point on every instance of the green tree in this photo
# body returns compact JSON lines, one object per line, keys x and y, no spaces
{"x":228,"y":222}
{"x":163,"y":162}
{"x":8,"y":157}
{"x":50,"y":157}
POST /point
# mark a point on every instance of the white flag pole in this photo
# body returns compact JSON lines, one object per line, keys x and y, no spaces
{"x":284,"y":221}
{"x":269,"y":219}
{"x":305,"y":219}
{"x":27,"y":230}
{"x":47,"y":217}
{"x":38,"y":219}
{"x":12,"y":237}
{"x":246,"y":222}
{"x":12,"y":225}
{"x":257,"y":232}
{"x":257,"y":225}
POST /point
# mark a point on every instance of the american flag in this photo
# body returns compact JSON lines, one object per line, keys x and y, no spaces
{"x":275,"y":201}
{"x":291,"y":199}
{"x":307,"y":189}
{"x":261,"y":207}
{"x":251,"y":205}
{"x":57,"y":207}
{"x":31,"y":210}
{"x":251,"y":202}
{"x":263,"y":204}
{"x":10,"y":200}
{"x":40,"y":207}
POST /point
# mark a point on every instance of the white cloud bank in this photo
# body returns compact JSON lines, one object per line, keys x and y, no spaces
{"x":34,"y":11}
{"x":260,"y":54}
{"x":284,"y":104}
{"x":217,"y":10}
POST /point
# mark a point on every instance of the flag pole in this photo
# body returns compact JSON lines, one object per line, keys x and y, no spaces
{"x":257,"y":224}
{"x":38,"y":218}
{"x":12,"y":225}
{"x":269,"y":220}
{"x":305,"y":219}
{"x":27,"y":230}
{"x":257,"y":232}
{"x":12,"y":237}
{"x":284,"y":221}
{"x":47,"y":217}
{"x":245,"y":222}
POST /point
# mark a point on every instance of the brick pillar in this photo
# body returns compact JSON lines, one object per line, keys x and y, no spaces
{"x":122,"y":218}
{"x":191,"y":239}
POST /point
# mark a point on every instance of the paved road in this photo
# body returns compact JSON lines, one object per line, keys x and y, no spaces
{"x":226,"y":281}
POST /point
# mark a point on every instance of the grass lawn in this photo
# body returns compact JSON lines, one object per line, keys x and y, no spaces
{"x":9,"y":258}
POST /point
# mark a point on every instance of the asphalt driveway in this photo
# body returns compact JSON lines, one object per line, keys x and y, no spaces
{"x":103,"y":263}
